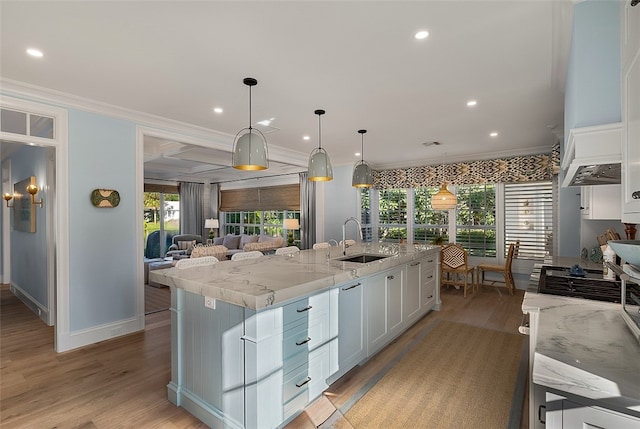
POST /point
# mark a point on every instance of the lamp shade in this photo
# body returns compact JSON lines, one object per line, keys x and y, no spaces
{"x":320,"y":169}
{"x":362,"y":175}
{"x":211,"y":223}
{"x":250,"y":150}
{"x":443,"y":199}
{"x":291,"y":224}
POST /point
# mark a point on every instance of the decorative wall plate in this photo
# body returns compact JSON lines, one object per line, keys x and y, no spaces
{"x":105,"y":198}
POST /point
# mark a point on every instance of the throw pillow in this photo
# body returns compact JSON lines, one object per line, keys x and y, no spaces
{"x":231,"y":241}
{"x":186,"y":245}
{"x":218,"y":241}
{"x":247,"y":239}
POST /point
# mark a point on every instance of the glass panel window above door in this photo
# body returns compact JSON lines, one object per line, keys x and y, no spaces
{"x":12,"y":121}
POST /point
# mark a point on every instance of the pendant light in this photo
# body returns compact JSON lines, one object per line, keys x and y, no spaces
{"x":319,"y":163}
{"x":443,"y":199}
{"x":250,"y":145}
{"x":362,"y":175}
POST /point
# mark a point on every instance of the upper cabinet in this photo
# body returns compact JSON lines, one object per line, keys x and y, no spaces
{"x":630,"y":39}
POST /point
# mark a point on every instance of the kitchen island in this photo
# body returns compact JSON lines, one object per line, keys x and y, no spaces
{"x":584,"y":363}
{"x":255,"y":341}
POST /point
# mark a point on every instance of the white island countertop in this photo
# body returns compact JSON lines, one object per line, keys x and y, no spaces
{"x":273,"y":279}
{"x":585,"y":348}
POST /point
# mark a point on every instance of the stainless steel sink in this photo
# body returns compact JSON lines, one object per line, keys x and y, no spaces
{"x":362,"y":259}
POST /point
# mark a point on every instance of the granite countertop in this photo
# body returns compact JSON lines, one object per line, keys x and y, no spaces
{"x":274,"y":279}
{"x":585,"y":348}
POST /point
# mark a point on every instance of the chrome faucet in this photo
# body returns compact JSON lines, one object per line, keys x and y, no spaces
{"x":344,"y":232}
{"x":329,"y":248}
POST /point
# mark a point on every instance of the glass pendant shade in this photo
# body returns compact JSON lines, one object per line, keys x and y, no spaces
{"x":250,"y":150}
{"x":362,"y":174}
{"x":443,"y":199}
{"x":319,"y":169}
{"x":250,"y":145}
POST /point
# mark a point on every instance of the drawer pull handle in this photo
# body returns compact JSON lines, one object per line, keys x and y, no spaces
{"x":351,"y":287}
{"x":430,"y":277}
{"x":636,"y":195}
{"x":303,"y":341}
{"x":430,"y":296}
{"x":302,"y":310}
{"x":430,"y":260}
{"x":304,"y":382}
{"x":415,"y":264}
{"x":390,"y":277}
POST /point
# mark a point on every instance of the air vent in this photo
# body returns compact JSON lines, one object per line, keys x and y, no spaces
{"x":434,"y":143}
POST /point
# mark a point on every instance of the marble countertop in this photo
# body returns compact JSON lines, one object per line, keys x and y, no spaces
{"x":274,"y":279}
{"x":585,"y":348}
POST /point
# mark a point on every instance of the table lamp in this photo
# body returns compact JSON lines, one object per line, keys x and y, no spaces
{"x":291,"y":225}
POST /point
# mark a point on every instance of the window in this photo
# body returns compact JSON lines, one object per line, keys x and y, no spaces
{"x":161,"y":221}
{"x":528,"y":213}
{"x":366,"y":215}
{"x":269,"y":222}
{"x":428,"y":225}
{"x":392,"y":215}
{"x":476,"y":219}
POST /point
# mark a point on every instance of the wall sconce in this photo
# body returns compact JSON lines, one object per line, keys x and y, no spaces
{"x":33,"y":190}
{"x":7,"y":198}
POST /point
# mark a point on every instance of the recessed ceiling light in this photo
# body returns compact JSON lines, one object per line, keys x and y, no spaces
{"x":422,"y":34}
{"x":493,"y":134}
{"x":471,"y":103}
{"x":357,"y":154}
{"x":305,"y":137}
{"x":35,"y":52}
{"x":266,"y":122}
{"x":218,"y":110}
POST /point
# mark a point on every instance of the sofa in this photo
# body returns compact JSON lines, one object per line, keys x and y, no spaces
{"x":246,"y":243}
{"x":183,"y":244}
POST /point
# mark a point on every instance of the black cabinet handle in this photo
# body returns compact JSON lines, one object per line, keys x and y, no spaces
{"x":351,"y":287}
{"x":390,"y":277}
{"x":430,"y":296}
{"x":430,"y":260}
{"x":304,"y":382}
{"x":635,"y":195}
{"x":430,"y":277}
{"x":303,"y":341}
{"x":540,"y":408}
{"x":415,"y":264}
{"x":302,"y":310}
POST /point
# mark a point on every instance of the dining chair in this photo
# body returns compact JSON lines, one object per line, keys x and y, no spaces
{"x":505,"y":270}
{"x":196,"y":262}
{"x":240,"y":256}
{"x":455,"y":269}
{"x":289,"y":250}
{"x":321,"y":245}
{"x":348,"y":242}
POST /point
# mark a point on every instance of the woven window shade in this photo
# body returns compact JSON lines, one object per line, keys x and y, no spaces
{"x":166,"y":189}
{"x":286,"y":197}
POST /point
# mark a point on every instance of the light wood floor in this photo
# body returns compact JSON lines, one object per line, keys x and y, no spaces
{"x":121,"y":383}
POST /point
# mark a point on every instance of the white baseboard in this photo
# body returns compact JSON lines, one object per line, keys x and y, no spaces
{"x":73,"y":340}
{"x":39,"y":310}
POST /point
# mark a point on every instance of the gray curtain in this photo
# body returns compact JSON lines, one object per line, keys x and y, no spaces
{"x":191,"y":208}
{"x":307,"y":211}
{"x":214,"y":203}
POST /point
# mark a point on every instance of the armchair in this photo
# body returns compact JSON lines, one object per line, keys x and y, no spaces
{"x":183,"y":244}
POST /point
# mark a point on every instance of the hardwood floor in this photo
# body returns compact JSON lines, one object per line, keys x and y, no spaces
{"x":121,"y":383}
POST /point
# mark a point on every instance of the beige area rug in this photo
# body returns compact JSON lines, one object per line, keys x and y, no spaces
{"x":458,"y":376}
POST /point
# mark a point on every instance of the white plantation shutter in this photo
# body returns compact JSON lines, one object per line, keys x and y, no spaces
{"x":528,"y":214}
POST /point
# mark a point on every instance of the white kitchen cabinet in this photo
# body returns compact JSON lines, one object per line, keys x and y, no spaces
{"x":429,"y":281}
{"x":384,"y":308}
{"x":600,"y":202}
{"x":351,"y":317}
{"x":563,"y":413}
{"x":411,"y":292}
{"x":630,"y":38}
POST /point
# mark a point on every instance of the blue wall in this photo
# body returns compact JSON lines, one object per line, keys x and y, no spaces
{"x":29,"y":250}
{"x":102,"y":242}
{"x":592,"y":95}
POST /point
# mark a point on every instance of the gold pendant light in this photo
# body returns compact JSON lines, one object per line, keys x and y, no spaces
{"x":319,"y":169}
{"x":443,"y":199}
{"x":250,"y":145}
{"x":362,"y":175}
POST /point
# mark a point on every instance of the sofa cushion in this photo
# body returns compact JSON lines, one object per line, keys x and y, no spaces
{"x":218,"y":251}
{"x":218,"y":241}
{"x":265,"y":245}
{"x":244,"y":239}
{"x":186,"y":245}
{"x":231,"y":241}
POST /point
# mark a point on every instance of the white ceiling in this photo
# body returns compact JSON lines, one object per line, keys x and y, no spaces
{"x":357,"y":60}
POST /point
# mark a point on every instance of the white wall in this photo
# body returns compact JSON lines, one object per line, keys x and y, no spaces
{"x":340,"y":202}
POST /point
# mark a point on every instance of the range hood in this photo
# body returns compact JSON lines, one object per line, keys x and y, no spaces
{"x":593,"y":156}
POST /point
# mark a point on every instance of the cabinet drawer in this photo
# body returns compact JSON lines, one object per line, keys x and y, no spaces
{"x":295,"y":382}
{"x":314,"y":307}
{"x":305,"y":337}
{"x":296,"y":404}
